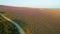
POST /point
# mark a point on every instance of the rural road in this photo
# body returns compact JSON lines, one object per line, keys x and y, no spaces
{"x":21,"y":31}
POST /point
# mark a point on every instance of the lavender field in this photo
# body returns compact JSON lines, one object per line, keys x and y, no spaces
{"x":32,"y":20}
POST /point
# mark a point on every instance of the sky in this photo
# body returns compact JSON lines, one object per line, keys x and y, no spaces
{"x":32,"y":3}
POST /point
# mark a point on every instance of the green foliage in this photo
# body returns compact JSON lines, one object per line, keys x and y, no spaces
{"x":2,"y":12}
{"x":7,"y":28}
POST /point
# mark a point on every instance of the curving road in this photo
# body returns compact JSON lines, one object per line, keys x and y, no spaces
{"x":21,"y":31}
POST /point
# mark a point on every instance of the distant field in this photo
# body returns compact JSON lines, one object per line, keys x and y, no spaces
{"x":36,"y":21}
